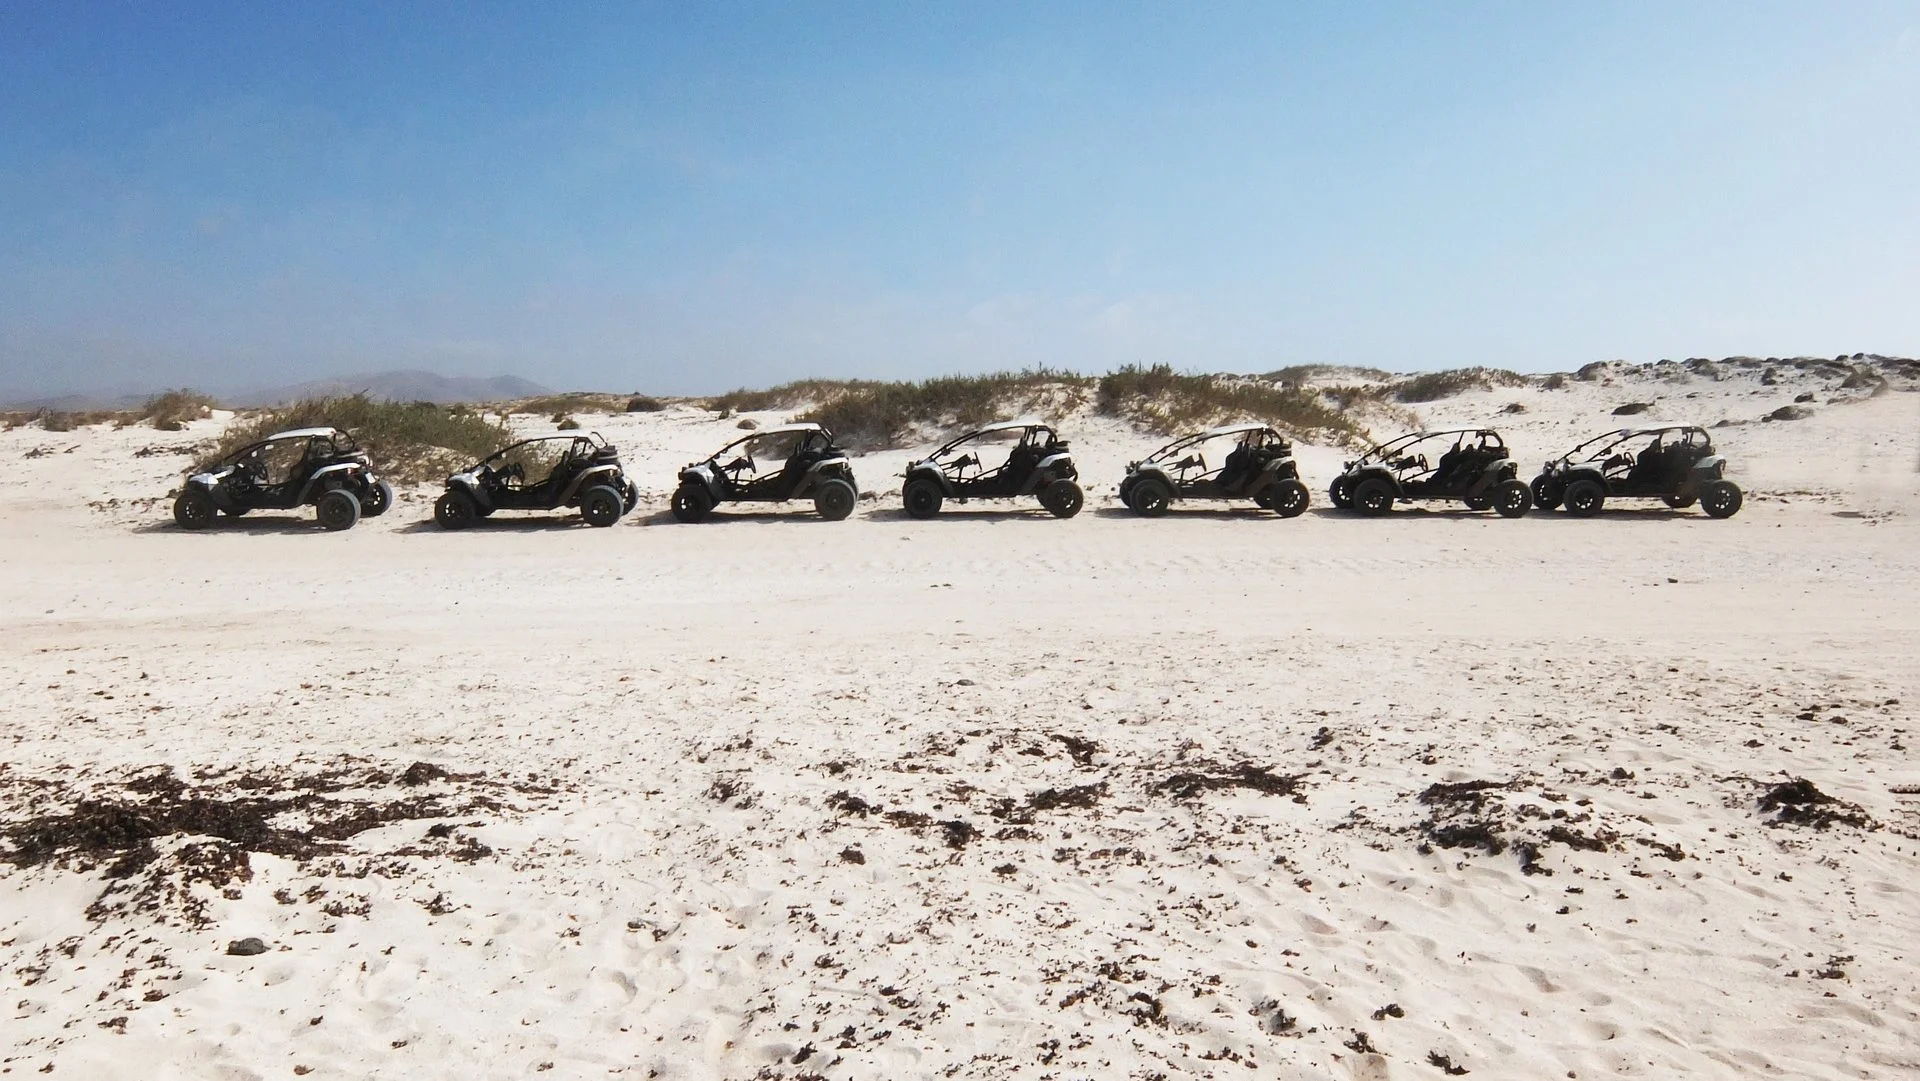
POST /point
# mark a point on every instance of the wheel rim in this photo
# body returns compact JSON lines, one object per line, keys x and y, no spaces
{"x":920,"y":500}
{"x":1152,"y":500}
{"x":1512,"y":499}
{"x":1290,"y":501}
{"x":196,"y":512}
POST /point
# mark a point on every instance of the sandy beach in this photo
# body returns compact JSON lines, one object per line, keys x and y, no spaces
{"x":993,"y":795}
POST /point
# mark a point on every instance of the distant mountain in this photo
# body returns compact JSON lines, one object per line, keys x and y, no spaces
{"x":404,"y":386}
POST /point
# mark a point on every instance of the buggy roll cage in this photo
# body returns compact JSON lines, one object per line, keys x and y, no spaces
{"x":1385,"y":452}
{"x":1609,"y":440}
{"x":1027,"y":428}
{"x":1185,"y":441}
{"x":592,"y":439}
{"x":341,"y":440}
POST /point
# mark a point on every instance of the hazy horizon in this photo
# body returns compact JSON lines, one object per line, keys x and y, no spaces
{"x":686,"y":200}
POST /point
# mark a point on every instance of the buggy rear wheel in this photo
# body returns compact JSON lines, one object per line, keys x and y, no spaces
{"x":1340,"y":492}
{"x":1288,"y":498}
{"x":1546,"y":492}
{"x":194,"y":509}
{"x":1721,"y":499}
{"x":1062,"y":498}
{"x":1510,"y":498}
{"x":600,"y":505}
{"x":1678,"y":502}
{"x":1150,"y":498}
{"x":1373,"y":497}
{"x":691,"y":504}
{"x":378,"y":500}
{"x":455,"y":510}
{"x":922,"y":498}
{"x":1585,"y":498}
{"x":337,"y":510}
{"x":835,"y":499}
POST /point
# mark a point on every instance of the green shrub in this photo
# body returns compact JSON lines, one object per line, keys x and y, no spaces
{"x":1306,"y":373}
{"x":883,"y":414}
{"x":407,"y":442}
{"x":170,"y":410}
{"x":1164,"y":401}
{"x":579,"y":401}
{"x":1433,"y":386}
{"x":567,"y":424}
{"x":640,"y":403}
{"x":1556,"y":381}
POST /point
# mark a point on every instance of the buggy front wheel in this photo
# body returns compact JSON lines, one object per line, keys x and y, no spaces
{"x":1510,"y":498}
{"x":1373,"y":497}
{"x":378,"y":500}
{"x":1150,"y":498}
{"x":600,"y":505}
{"x":922,"y":498}
{"x":194,"y":509}
{"x":1062,"y":498}
{"x":835,"y":499}
{"x":337,"y":510}
{"x":1585,"y":498}
{"x":1721,"y":499}
{"x":455,"y":510}
{"x":691,"y":504}
{"x":1546,"y":492}
{"x":1340,"y":493}
{"x":1288,"y":498}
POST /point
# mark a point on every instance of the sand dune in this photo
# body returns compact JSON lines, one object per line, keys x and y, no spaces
{"x":989,"y":796}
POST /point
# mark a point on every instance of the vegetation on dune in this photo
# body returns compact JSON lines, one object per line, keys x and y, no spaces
{"x":170,"y":411}
{"x":1433,"y":386}
{"x":884,"y":414}
{"x":1307,"y":373}
{"x":1167,"y":402}
{"x":407,"y":442}
{"x":578,"y":401}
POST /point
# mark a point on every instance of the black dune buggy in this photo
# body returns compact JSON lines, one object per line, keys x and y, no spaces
{"x":1256,"y":463}
{"x":809,"y":466}
{"x":1675,"y":464}
{"x":573,"y":470}
{"x":323,"y":467}
{"x":1473,"y":468}
{"x":1037,"y":464}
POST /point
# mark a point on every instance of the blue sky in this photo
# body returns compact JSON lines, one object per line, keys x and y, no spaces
{"x":685,"y":198}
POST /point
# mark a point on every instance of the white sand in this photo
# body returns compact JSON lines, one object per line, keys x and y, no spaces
{"x":664,"y":718}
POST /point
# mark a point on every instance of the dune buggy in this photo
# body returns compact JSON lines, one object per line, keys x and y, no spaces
{"x":1474,"y":468}
{"x":809,"y":466}
{"x":1037,"y":464}
{"x":1674,"y":463}
{"x":1255,"y":462}
{"x":323,"y":467}
{"x":571,"y":470}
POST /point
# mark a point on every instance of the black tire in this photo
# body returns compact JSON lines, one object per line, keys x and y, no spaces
{"x":629,"y":496}
{"x":1151,"y":498}
{"x":1373,"y":497}
{"x":1340,"y":492}
{"x":922,"y":497}
{"x":1126,"y":490}
{"x":1479,"y":502}
{"x":1678,"y":502}
{"x":1721,"y":499}
{"x":601,"y":505}
{"x":1511,"y":498}
{"x":1546,"y":492}
{"x":1585,"y":498}
{"x":378,"y":500}
{"x":834,"y":499}
{"x":1062,"y":498}
{"x":1288,"y":499}
{"x":337,"y":510}
{"x":194,"y":509}
{"x":691,"y":503}
{"x":455,"y":510}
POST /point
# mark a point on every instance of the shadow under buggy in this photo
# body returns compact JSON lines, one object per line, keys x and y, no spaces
{"x":1037,"y":464}
{"x":1675,"y":464}
{"x":1256,"y":463}
{"x":810,"y":466}
{"x":1469,"y":465}
{"x":571,"y":470}
{"x":323,"y":467}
